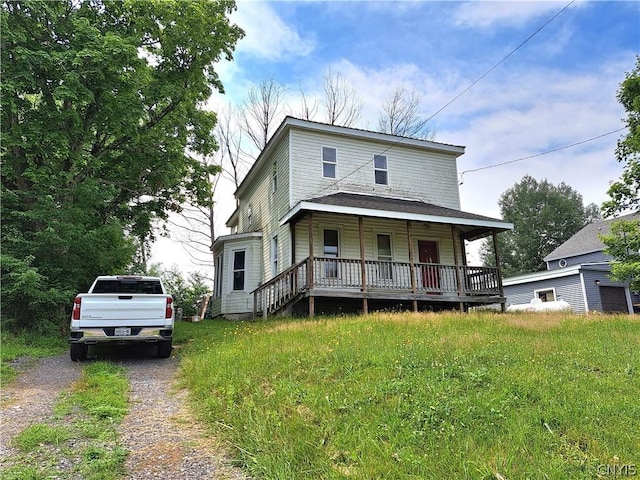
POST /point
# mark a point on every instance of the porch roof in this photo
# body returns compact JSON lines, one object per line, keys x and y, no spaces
{"x":473,"y":225}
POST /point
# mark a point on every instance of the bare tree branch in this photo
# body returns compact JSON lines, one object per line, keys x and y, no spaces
{"x":263,"y":111}
{"x":308,"y":110}
{"x":342,"y":104}
{"x":400,"y":116}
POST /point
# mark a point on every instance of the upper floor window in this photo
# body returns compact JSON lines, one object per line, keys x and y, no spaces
{"x":329,"y":162}
{"x":239,"y":269}
{"x":274,"y":177}
{"x":380,"y":170}
{"x":249,"y":216}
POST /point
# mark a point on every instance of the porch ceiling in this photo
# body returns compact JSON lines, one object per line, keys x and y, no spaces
{"x":473,"y":225}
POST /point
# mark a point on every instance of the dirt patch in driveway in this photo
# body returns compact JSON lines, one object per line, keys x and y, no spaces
{"x":160,"y":433}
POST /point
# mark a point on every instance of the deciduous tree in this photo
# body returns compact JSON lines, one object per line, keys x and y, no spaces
{"x":544,"y":216}
{"x":101,"y":124}
{"x":624,"y":241}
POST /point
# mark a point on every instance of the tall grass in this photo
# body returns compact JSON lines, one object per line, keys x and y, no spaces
{"x":16,"y":345}
{"x":424,"y":396}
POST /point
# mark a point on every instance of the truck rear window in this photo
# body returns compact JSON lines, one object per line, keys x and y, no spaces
{"x":128,"y":286}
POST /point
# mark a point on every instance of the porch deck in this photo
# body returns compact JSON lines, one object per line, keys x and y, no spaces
{"x":459,"y":286}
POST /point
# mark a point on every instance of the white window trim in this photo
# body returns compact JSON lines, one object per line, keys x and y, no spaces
{"x":390,"y":244}
{"x":322,"y":160}
{"x":385,"y":272}
{"x":327,"y":265}
{"x":274,"y":255}
{"x":375,"y":169}
{"x":249,"y":216}
{"x":274,"y":177}
{"x":542,"y":290}
{"x":232,"y":270}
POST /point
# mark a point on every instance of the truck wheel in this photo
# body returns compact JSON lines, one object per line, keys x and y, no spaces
{"x":164,"y":349}
{"x":78,"y":352}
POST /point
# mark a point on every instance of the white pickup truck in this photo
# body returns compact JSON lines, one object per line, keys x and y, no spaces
{"x":120,"y":310}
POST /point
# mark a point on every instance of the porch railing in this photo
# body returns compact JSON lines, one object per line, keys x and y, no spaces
{"x":343,"y":273}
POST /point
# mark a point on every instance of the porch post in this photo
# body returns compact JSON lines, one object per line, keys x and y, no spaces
{"x":412,"y":265}
{"x":255,"y":305}
{"x":264,"y":304}
{"x":503,"y":306}
{"x":363,"y":269}
{"x":310,"y":269}
{"x":457,"y":263}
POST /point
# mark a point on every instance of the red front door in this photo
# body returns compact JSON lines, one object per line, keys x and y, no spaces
{"x":428,"y":253}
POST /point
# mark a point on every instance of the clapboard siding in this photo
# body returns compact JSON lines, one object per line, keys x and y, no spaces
{"x":592,"y":257}
{"x":267,"y":207}
{"x":414,"y":173}
{"x":349,"y":239}
{"x":567,"y":288}
{"x":239,"y":302}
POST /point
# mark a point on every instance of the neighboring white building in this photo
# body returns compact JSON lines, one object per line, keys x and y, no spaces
{"x":331,"y":216}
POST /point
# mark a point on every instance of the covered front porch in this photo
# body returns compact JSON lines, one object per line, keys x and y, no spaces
{"x":427,"y":284}
{"x":376,"y":250}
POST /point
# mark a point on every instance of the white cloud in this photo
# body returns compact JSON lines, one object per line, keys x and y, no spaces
{"x":489,"y":14}
{"x":510,"y":116}
{"x":267,"y":36}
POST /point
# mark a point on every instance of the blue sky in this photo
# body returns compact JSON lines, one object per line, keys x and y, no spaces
{"x":556,"y":90}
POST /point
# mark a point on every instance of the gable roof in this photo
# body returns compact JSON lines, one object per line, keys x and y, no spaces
{"x":587,"y":240}
{"x":291,"y":122}
{"x":475,"y":226}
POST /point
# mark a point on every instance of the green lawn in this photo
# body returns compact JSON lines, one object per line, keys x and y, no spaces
{"x":420,"y":396}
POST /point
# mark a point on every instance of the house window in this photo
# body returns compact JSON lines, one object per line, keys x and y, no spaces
{"x":239,"y":270}
{"x":329,"y":162}
{"x":218,"y":272}
{"x":249,"y":216}
{"x":274,"y":177}
{"x":548,"y":295}
{"x":380,"y":170}
{"x":274,"y":256}
{"x":384,"y":255}
{"x":331,"y":251}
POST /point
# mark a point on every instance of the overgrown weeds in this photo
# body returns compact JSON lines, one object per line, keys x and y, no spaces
{"x":421,"y":395}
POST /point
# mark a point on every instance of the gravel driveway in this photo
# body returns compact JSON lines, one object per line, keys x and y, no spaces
{"x":160,"y":433}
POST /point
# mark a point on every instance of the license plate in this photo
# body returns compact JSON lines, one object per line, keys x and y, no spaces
{"x":122,"y":332}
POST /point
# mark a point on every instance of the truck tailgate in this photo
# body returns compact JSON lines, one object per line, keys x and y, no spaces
{"x":130,"y":309}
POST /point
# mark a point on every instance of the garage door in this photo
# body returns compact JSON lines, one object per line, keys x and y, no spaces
{"x":614,"y":299}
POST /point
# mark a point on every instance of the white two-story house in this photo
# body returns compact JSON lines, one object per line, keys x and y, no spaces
{"x":333,"y":218}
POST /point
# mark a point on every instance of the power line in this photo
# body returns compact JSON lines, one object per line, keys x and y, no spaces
{"x":500,"y":62}
{"x":460,"y":94}
{"x":538,"y":154}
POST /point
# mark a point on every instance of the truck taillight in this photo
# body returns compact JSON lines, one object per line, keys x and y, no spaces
{"x":169,"y":310}
{"x":76,"y":308}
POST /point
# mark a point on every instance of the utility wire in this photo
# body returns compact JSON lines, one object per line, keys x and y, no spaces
{"x":460,"y":94}
{"x":499,"y":63}
{"x":538,"y":154}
